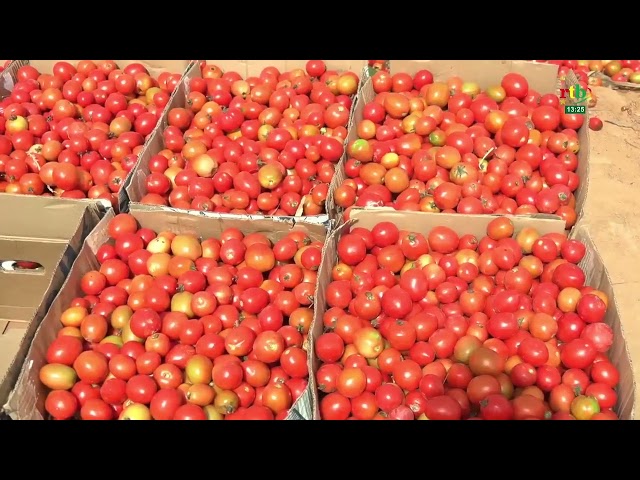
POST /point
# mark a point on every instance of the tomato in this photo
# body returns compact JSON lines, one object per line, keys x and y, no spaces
{"x":363,"y":407}
{"x":385,"y":234}
{"x":584,"y":407}
{"x":113,"y":391}
{"x":605,"y":372}
{"x":84,"y":391}
{"x":502,"y":325}
{"x":484,"y":361}
{"x":329,"y":347}
{"x":591,"y":308}
{"x":294,"y":362}
{"x":165,"y":404}
{"x":604,"y":394}
{"x":96,"y":409}
{"x":61,"y":405}
{"x":496,"y":407}
{"x":481,"y":387}
{"x":527,"y":406}
{"x":443,"y":240}
{"x":600,"y":335}
{"x":145,"y":322}
{"x":573,"y":251}
{"x":515,"y":85}
{"x":141,"y":389}
{"x":122,"y":366}
{"x":396,"y":303}
{"x":121,"y":224}
{"x":578,"y":353}
{"x":277,"y":397}
{"x":533,"y":351}
{"x":335,"y":406}
{"x":401,"y":335}
{"x":189,"y":412}
{"x":91,"y":367}
{"x":389,"y":396}
{"x":351,"y":382}
{"x":351,"y":249}
{"x":64,"y":350}
{"x":443,"y":407}
{"x":407,"y":374}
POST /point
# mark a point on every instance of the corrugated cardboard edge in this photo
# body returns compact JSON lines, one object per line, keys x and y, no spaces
{"x":135,"y":185}
{"x":100,"y":203}
{"x":27,"y":399}
{"x":8,"y":78}
{"x":619,"y":354}
{"x":311,"y":220}
{"x":86,"y":224}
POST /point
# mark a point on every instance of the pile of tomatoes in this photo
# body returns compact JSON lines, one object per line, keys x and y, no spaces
{"x":171,"y":327}
{"x":266,"y":144}
{"x":444,"y":327}
{"x":77,"y":132}
{"x":447,"y":146}
{"x":617,"y":70}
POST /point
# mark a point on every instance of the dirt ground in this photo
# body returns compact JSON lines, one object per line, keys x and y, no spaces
{"x":611,"y":212}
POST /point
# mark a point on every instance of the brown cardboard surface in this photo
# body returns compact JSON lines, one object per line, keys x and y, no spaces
{"x":541,"y":76}
{"x":46,"y":231}
{"x":135,"y":187}
{"x":27,"y":400}
{"x":156,"y":67}
{"x":417,"y":221}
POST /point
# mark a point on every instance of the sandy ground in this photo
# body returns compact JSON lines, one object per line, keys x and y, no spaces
{"x":611,"y":213}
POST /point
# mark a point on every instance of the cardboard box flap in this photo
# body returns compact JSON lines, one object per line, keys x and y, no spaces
{"x":252,"y":68}
{"x":22,"y":290}
{"x":215,"y":224}
{"x":486,"y":73}
{"x":48,"y":218}
{"x":26,"y":294}
{"x":467,"y":224}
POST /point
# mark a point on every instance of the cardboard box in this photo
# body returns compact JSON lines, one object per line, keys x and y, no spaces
{"x":541,"y":76}
{"x":8,"y":79}
{"x":596,"y":276}
{"x":27,"y":399}
{"x":136,"y":189}
{"x":48,"y":232}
